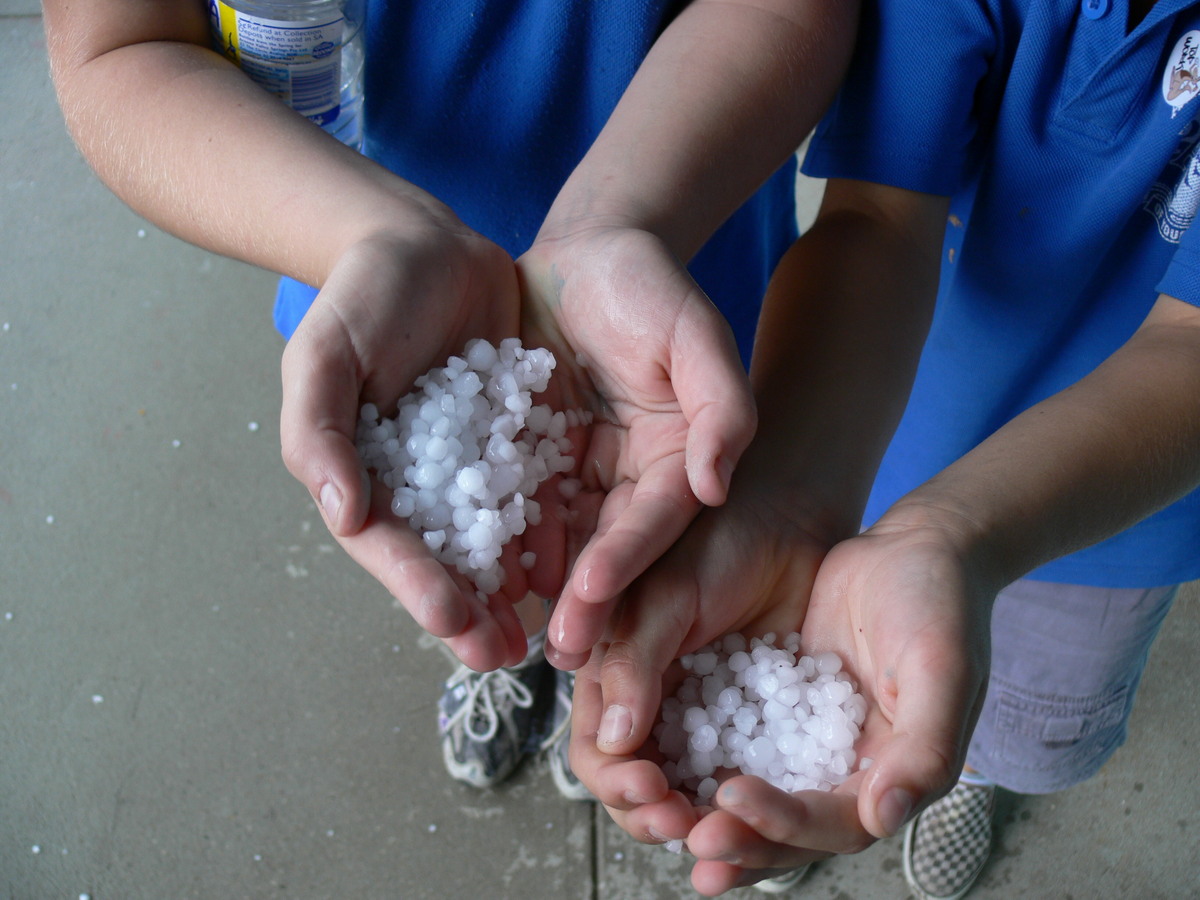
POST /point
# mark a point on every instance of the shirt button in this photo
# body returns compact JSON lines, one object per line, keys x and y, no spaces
{"x":1094,"y":9}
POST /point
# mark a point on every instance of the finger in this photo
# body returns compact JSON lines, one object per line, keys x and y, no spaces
{"x":715,"y":396}
{"x":514,"y":585}
{"x":809,"y":820}
{"x":567,"y":662}
{"x":732,"y":854}
{"x":567,"y":524}
{"x":445,"y":606}
{"x":478,"y":646}
{"x":937,"y":693}
{"x":652,"y":518}
{"x":671,"y":819}
{"x":652,"y":625}
{"x":503,"y":612}
{"x":620,"y":782}
{"x":317,"y":422}
{"x":712,"y":877}
{"x":576,"y":624}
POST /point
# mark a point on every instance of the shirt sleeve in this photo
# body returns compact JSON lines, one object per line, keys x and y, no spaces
{"x":1182,"y":278}
{"x":910,"y":109}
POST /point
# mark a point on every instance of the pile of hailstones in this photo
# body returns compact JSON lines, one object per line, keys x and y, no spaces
{"x":467,"y":450}
{"x":769,"y":711}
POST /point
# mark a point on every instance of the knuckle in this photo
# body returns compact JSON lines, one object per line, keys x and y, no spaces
{"x":293,"y":457}
{"x":619,"y":666}
{"x":946,"y":762}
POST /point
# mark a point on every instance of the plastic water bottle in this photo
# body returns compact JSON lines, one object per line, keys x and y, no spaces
{"x":309,"y":53}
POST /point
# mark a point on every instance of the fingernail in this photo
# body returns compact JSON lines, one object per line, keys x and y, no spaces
{"x":657,"y":835}
{"x":894,"y":809}
{"x":729,"y":796}
{"x":331,"y":501}
{"x":616,"y":726}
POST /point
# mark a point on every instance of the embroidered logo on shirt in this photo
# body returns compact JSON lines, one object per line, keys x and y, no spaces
{"x":1181,"y":79}
{"x":1175,"y":197}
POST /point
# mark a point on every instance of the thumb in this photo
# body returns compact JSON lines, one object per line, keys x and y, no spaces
{"x":716,"y":399}
{"x":318,"y":419}
{"x":651,"y":626}
{"x":937,"y":702}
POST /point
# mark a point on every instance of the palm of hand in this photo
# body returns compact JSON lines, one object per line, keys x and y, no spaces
{"x":746,"y":567}
{"x":673,"y":411}
{"x":749,"y":567}
{"x":913,"y":626}
{"x":397,"y":316}
{"x":389,"y":312}
{"x":895,"y":611}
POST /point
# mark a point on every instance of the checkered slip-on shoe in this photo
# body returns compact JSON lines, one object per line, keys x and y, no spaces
{"x":781,"y":883}
{"x":946,"y":846}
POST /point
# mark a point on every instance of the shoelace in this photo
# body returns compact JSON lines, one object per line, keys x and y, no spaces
{"x":484,"y":691}
{"x":563,"y":716}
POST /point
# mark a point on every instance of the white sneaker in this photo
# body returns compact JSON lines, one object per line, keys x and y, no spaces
{"x":486,"y":720}
{"x":781,"y":883}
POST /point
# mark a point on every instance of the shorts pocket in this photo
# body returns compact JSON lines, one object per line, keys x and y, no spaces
{"x":1065,"y":739}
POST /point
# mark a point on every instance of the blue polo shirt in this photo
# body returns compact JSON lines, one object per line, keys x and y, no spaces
{"x":1069,"y":150}
{"x":489,"y":106}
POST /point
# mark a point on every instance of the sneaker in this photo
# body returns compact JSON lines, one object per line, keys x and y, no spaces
{"x":946,"y":846}
{"x":558,"y":740}
{"x":486,"y":719}
{"x":781,"y":883}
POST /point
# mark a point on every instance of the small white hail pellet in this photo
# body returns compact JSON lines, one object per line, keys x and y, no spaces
{"x":466,"y":452}
{"x":769,"y":711}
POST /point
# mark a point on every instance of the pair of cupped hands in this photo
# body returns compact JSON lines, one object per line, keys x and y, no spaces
{"x":662,"y":551}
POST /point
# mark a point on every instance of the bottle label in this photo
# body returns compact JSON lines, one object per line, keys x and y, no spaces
{"x":297,"y":61}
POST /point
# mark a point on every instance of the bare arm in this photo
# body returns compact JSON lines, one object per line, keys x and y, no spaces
{"x":725,"y":96}
{"x":187,"y":140}
{"x":183,"y":137}
{"x":1082,"y":465}
{"x":837,"y":347}
{"x":728,"y":92}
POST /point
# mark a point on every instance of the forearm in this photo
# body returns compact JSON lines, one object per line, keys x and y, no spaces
{"x":725,"y":95}
{"x":193,"y":145}
{"x":1081,"y":466}
{"x":842,"y":327}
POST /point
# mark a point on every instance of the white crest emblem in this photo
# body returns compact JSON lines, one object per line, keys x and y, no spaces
{"x":1181,"y":79}
{"x":1175,"y":197}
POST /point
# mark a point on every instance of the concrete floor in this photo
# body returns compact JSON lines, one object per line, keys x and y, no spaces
{"x":202,"y":697}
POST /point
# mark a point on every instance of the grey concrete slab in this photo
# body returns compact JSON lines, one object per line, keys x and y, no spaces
{"x":202,"y":697}
{"x":14,"y":8}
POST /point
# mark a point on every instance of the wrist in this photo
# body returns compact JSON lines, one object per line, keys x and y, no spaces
{"x":591,"y":202}
{"x":568,"y":219}
{"x":827,"y":490}
{"x":961,"y":532}
{"x":399,"y":216}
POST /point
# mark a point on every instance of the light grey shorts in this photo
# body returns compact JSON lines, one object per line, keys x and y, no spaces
{"x":1066,"y":663}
